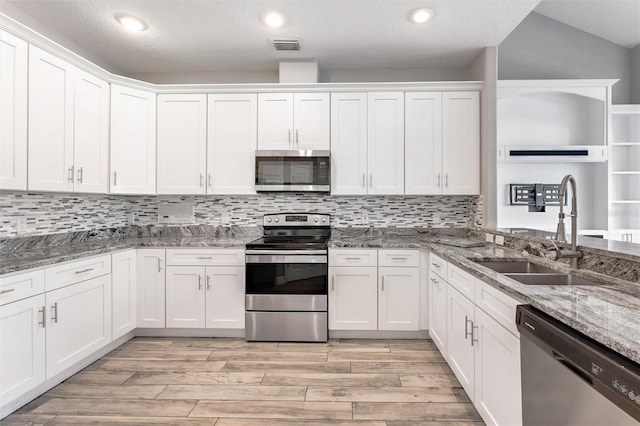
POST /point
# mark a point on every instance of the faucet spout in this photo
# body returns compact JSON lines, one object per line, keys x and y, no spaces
{"x":574,"y":254}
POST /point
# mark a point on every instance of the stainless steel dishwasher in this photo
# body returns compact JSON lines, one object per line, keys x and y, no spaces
{"x":569,"y":379}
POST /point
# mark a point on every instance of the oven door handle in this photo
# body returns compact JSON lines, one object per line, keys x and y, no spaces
{"x":285,"y":252}
{"x":271,"y":258}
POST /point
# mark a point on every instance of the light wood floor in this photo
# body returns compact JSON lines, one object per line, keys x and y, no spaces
{"x":167,"y":381}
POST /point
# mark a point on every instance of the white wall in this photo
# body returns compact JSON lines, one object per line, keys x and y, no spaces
{"x":635,"y":75}
{"x":393,"y":74}
{"x":541,"y":48}
{"x":208,"y":77}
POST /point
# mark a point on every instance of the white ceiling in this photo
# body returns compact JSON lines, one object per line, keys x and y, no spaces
{"x":615,"y":20}
{"x":226,"y":35}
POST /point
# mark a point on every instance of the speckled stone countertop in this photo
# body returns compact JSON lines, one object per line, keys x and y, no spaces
{"x":607,"y":313}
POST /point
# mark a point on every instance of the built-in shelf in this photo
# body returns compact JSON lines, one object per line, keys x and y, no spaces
{"x":626,"y":173}
{"x":625,"y":201}
{"x":625,"y":144}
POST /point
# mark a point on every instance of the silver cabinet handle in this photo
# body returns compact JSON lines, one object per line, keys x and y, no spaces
{"x":333,"y":283}
{"x":370,"y":180}
{"x":70,"y":175}
{"x":383,"y":283}
{"x":199,"y":282}
{"x":363,"y":179}
{"x":435,"y":265}
{"x":201,"y":180}
{"x":9,"y":290}
{"x":433,"y":280}
{"x":438,"y":180}
{"x":44,"y":317}
{"x":54,"y":312}
{"x":80,"y":175}
{"x":289,"y":130}
{"x":399,"y":258}
{"x":208,"y":282}
{"x":209,"y":179}
{"x":82,"y":271}
{"x":115,"y":178}
{"x":297,"y":139}
{"x":203,"y":257}
{"x":466,"y":328}
{"x":446,"y":180}
{"x":159,"y":265}
{"x":473,"y":334}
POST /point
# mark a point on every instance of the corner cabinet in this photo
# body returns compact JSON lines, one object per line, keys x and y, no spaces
{"x":13,"y":112}
{"x":133,"y":141}
{"x":442,"y":152}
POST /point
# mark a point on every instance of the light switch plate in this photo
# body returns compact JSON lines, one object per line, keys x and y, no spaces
{"x":21,"y":224}
{"x":500,"y":240}
{"x":488,"y":238}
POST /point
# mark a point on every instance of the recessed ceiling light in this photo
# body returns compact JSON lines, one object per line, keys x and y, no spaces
{"x":131,"y":23}
{"x":273,"y":19}
{"x":422,"y":15}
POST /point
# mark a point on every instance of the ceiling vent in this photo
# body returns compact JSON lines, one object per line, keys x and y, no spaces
{"x":286,"y":43}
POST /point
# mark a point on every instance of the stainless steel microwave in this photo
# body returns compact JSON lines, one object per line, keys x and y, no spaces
{"x":293,"y":171}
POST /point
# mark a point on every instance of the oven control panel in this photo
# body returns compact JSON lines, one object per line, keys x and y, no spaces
{"x":297,"y":219}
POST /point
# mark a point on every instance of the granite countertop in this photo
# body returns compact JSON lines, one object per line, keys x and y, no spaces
{"x":606,"y":313}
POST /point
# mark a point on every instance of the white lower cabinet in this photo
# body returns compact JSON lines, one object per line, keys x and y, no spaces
{"x":353,"y":298}
{"x":398,"y":307}
{"x":22,"y":348}
{"x":123,"y":276}
{"x":482,"y":345}
{"x":199,"y":296}
{"x":150,"y":284}
{"x":78,"y":322}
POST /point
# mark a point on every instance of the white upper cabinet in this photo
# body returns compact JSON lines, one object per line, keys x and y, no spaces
{"x":13,"y":112}
{"x":423,"y":143}
{"x":293,"y":121}
{"x":182,"y":144}
{"x":442,"y":143}
{"x":50,"y":122}
{"x":461,"y":142}
{"x":68,"y":126}
{"x":386,"y":143}
{"x":91,"y":134}
{"x":349,"y":143}
{"x":133,"y":141}
{"x":231,"y":143}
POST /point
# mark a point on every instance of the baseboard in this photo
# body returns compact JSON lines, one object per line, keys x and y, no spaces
{"x":190,"y":332}
{"x":378,"y":334}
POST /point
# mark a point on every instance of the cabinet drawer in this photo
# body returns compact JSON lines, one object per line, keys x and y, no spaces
{"x":21,"y":286}
{"x":499,"y":305}
{"x":205,"y":257}
{"x":398,"y":258}
{"x":462,"y":281}
{"x":74,"y":272}
{"x":355,"y":257}
{"x":438,"y":266}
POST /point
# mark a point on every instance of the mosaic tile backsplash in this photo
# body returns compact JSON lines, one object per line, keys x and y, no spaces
{"x":57,"y":213}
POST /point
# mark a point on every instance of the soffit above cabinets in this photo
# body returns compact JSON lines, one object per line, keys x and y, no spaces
{"x":226,"y":35}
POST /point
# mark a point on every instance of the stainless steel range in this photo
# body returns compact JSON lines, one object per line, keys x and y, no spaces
{"x":286,"y":279}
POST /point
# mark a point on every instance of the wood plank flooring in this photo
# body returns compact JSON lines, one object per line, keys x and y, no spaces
{"x":230,"y":382}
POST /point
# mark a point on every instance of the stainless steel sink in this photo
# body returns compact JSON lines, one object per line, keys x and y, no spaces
{"x":506,"y":267}
{"x":550,"y":279}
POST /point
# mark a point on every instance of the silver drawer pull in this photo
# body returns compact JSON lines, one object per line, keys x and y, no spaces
{"x":399,"y":258}
{"x":333,"y":283}
{"x":159,"y":265}
{"x":203,"y":257}
{"x":435,"y":265}
{"x":352,"y":258}
{"x":9,"y":290}
{"x":383,"y":283}
{"x":82,"y":271}
{"x":433,"y":280}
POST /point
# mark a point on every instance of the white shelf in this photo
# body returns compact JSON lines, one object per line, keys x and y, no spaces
{"x":625,"y":202}
{"x":626,"y":173}
{"x":625,"y":144}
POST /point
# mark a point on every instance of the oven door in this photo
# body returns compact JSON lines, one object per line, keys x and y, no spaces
{"x":297,"y":171}
{"x":289,"y":282}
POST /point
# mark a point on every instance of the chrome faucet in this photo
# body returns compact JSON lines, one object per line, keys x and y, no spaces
{"x":573,"y":254}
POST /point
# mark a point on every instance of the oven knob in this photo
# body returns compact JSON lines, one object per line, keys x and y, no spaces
{"x":316,"y":219}
{"x":276,"y":219}
{"x":324,"y":219}
{"x":268,"y":219}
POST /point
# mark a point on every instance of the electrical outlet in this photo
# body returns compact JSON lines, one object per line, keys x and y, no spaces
{"x":21,"y":224}
{"x":488,"y":238}
{"x":436,"y":218}
{"x":500,"y":240}
{"x":131,"y":218}
{"x":365,"y":217}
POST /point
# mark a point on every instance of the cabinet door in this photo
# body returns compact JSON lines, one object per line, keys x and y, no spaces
{"x":498,"y":396}
{"x":22,"y":352}
{"x":353,"y":298}
{"x":311,"y":120}
{"x":349,"y":143}
{"x":186,"y":296}
{"x":91,"y":134}
{"x":386,"y":143}
{"x":275,"y":121}
{"x":79,"y":322}
{"x":124,"y":292}
{"x":232,"y":143}
{"x":13,"y":112}
{"x":150,"y":288}
{"x":133,"y":141}
{"x":461,"y":142}
{"x":438,"y":312}
{"x":182,"y":144}
{"x":225,"y":297}
{"x":50,"y":122}
{"x":423,"y":143}
{"x":398,"y":298}
{"x":460,"y":351}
